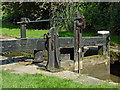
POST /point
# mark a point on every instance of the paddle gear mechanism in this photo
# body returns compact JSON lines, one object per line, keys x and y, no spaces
{"x":79,"y":25}
{"x":53,"y":63}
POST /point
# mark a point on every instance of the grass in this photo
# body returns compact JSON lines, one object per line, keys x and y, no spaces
{"x":15,"y":31}
{"x":12,"y":30}
{"x":10,"y":80}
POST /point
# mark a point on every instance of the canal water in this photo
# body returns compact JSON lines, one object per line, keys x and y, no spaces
{"x":115,"y":72}
{"x":114,"y":68}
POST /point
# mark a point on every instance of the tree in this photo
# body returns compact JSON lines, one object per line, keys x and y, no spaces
{"x":98,"y":15}
{"x":13,"y":11}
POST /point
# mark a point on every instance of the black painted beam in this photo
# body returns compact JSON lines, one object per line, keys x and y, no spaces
{"x":10,"y":45}
{"x":23,"y":44}
{"x":93,"y":41}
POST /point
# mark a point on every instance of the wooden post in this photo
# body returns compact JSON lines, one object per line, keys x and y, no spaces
{"x":104,"y":50}
{"x":23,"y":28}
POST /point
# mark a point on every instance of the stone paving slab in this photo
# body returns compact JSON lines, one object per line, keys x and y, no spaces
{"x":92,"y":81}
{"x":20,"y":68}
{"x":89,"y":80}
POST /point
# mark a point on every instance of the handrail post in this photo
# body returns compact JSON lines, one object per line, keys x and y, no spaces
{"x":106,"y":46}
{"x":78,"y":23}
{"x":23,"y":28}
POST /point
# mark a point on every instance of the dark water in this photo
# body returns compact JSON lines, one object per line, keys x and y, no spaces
{"x":115,"y":72}
{"x":115,"y":78}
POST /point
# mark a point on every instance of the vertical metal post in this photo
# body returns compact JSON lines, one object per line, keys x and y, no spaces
{"x":80,"y":52}
{"x":77,"y":43}
{"x":23,"y":28}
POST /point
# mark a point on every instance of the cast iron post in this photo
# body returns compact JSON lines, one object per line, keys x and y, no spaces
{"x":53,"y":59}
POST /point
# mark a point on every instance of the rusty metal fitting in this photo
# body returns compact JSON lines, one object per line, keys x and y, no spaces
{"x":45,"y":36}
{"x":24,"y":21}
{"x":77,"y":28}
{"x":79,"y":24}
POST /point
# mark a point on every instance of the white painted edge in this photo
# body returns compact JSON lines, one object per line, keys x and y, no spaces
{"x":79,"y":50}
{"x":103,"y":32}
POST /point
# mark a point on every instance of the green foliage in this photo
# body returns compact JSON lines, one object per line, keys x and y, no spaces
{"x":63,"y":10}
{"x":32,"y":10}
{"x":103,"y":16}
{"x":114,"y":39}
{"x":98,"y":15}
{"x":13,"y":11}
{"x":10,"y":80}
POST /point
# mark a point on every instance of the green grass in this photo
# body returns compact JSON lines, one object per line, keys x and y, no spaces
{"x":12,"y":30}
{"x":10,"y":80}
{"x":15,"y":31}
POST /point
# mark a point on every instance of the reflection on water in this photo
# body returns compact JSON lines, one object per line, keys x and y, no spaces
{"x":115,"y":72}
{"x":115,"y":78}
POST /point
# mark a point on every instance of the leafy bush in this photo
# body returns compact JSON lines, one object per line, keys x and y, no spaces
{"x":98,"y":15}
